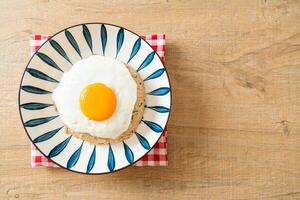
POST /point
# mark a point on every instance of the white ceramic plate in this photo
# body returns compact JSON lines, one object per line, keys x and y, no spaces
{"x":43,"y":72}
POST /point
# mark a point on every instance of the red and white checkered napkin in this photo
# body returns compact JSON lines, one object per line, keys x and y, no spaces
{"x":158,"y":155}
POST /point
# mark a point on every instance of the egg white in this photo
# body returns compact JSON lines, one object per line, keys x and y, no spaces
{"x":108,"y":71}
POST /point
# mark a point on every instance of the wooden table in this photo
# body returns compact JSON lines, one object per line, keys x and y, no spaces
{"x":235,"y":72}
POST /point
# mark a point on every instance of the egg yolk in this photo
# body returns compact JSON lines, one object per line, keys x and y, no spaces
{"x":97,"y":102}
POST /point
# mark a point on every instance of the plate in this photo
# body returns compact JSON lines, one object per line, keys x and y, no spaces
{"x":56,"y":56}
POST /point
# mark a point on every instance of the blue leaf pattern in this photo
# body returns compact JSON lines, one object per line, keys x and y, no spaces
{"x":59,"y":148}
{"x":87,"y":37}
{"x":147,"y":61}
{"x":160,"y":91}
{"x":60,"y":50}
{"x":35,"y":106}
{"x":128,"y":153}
{"x":111,"y":163}
{"x":103,"y":38}
{"x":48,"y":60}
{"x":34,"y":90}
{"x":155,"y":74}
{"x":62,"y":53}
{"x":136,"y":47}
{"x":154,"y":126}
{"x":74,"y":158}
{"x":40,"y":75}
{"x":91,"y":161}
{"x":39,"y":121}
{"x":143,"y":141}
{"x":120,"y":39}
{"x":160,"y":109}
{"x":73,"y":42}
{"x":46,"y":136}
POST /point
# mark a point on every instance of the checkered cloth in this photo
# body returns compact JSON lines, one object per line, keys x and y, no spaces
{"x":158,"y":155}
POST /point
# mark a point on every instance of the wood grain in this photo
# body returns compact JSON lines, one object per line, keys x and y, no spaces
{"x":234,"y":128}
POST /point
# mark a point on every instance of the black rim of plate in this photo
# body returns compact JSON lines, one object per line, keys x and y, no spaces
{"x":99,"y":23}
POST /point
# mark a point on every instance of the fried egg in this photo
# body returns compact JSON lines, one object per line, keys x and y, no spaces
{"x":96,"y":96}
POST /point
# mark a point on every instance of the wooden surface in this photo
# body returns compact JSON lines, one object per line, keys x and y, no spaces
{"x":234,"y":131}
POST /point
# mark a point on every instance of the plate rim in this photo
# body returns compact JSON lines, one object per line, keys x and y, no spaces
{"x":33,"y":55}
